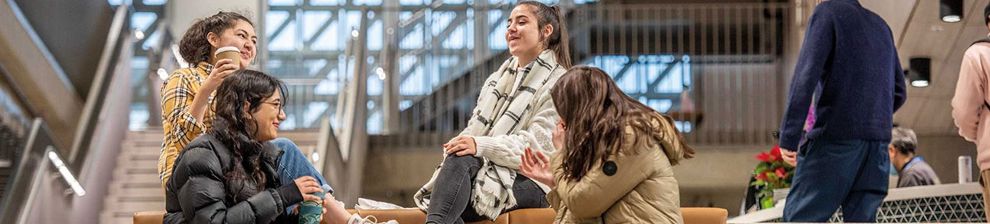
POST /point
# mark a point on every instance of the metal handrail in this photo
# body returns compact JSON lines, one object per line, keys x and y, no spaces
{"x":159,"y":57}
{"x":100,"y":88}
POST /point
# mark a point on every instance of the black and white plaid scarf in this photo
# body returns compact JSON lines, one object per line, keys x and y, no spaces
{"x":502,"y":106}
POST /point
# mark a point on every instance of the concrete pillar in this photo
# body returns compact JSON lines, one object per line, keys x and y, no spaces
{"x":481,"y":28}
{"x":390,"y":67}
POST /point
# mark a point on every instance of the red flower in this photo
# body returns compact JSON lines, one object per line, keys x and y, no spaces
{"x":775,"y":151}
{"x":761,"y":176}
{"x":781,"y":172}
{"x":764,"y":157}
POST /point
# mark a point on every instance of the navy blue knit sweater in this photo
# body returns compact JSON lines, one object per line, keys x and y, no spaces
{"x":849,"y":51}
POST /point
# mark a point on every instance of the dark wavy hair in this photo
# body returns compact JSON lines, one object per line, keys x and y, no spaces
{"x":595,"y":112}
{"x":234,"y":127}
{"x":195,"y":47}
{"x":558,"y":41}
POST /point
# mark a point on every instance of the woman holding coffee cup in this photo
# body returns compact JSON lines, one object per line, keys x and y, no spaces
{"x":215,"y":47}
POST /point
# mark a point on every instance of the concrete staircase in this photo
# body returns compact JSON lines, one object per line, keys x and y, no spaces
{"x":135,"y":186}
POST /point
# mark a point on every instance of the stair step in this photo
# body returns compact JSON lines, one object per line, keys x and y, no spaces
{"x":136,"y":191}
{"x":150,"y":167}
{"x":145,"y":138}
{"x":136,"y":171}
{"x":132,"y":207}
{"x":137,"y":199}
{"x":127,"y":164}
{"x":149,"y":153}
{"x":133,"y":204}
{"x":138,"y":158}
{"x":144,"y":191}
{"x":123,"y":163}
{"x":155,"y":152}
{"x":142,"y":184}
{"x":134,"y":178}
{"x":150,"y":143}
{"x":150,"y":132}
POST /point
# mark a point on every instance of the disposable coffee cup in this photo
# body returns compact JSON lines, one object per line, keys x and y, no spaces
{"x":231,"y":53}
{"x":310,"y":211}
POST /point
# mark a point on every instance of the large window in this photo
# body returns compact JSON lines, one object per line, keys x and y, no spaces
{"x":655,"y":80}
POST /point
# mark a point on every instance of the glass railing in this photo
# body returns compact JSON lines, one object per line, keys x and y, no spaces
{"x":715,"y":68}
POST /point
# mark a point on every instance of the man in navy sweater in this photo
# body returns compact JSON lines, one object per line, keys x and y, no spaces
{"x":849,"y":53}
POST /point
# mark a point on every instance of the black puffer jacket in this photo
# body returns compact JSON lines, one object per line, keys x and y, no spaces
{"x":197,"y":191}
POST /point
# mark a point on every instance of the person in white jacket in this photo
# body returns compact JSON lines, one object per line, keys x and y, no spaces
{"x":478,"y":178}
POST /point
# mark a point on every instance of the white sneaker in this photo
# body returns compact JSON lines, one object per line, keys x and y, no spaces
{"x":356,"y":219}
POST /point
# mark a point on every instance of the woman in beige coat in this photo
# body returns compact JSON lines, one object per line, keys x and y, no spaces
{"x":615,"y":158}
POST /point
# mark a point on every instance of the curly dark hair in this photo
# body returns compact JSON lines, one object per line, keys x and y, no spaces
{"x":195,"y":47}
{"x":233,"y":126}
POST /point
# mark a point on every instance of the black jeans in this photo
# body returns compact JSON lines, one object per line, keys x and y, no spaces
{"x":451,"y":198}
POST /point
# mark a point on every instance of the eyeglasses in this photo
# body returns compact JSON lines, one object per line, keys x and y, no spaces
{"x":277,"y":104}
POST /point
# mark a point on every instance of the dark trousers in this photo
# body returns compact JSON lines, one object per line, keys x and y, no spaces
{"x":450,"y":201}
{"x":852,"y":174}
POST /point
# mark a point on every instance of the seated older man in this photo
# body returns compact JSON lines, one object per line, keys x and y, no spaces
{"x":912,"y":169}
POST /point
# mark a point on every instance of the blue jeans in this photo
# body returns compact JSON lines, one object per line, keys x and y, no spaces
{"x":293,"y":164}
{"x":833,"y":173}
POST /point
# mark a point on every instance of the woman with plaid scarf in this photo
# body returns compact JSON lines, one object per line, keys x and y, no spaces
{"x":478,"y":178}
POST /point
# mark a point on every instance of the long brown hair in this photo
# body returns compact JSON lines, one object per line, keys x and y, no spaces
{"x":234,"y":128}
{"x":595,"y":112}
{"x":195,"y":47}
{"x":558,"y":41}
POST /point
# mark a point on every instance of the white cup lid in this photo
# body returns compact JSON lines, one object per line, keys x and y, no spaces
{"x":226,"y":49}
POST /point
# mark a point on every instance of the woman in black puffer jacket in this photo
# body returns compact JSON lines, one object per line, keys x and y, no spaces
{"x":228,"y":174}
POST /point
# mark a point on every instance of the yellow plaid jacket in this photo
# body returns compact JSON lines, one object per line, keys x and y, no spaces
{"x":180,"y":126}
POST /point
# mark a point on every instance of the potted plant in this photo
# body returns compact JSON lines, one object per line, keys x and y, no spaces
{"x":770,"y":174}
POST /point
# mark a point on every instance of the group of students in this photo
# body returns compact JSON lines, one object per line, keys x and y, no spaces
{"x":543,"y":134}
